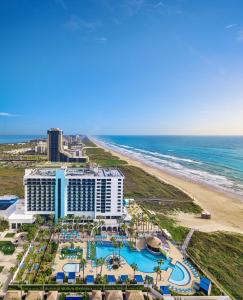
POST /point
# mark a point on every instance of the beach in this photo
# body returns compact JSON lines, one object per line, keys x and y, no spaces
{"x":226,"y":210}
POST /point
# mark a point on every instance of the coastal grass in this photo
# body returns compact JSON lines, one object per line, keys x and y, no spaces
{"x":145,"y":187}
{"x":220,"y":253}
{"x":164,"y":221}
{"x":87,"y":142}
{"x":158,"y":195}
{"x":11,"y":181}
{"x":104,"y":158}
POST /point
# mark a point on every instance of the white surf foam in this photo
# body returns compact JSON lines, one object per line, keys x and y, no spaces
{"x":172,"y":164}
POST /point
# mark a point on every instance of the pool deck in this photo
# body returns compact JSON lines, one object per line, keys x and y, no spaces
{"x":175,"y":254}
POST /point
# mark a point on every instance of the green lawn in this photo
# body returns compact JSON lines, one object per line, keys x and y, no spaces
{"x":9,"y":235}
{"x":222,"y":255}
{"x":7,"y":247}
{"x":1,"y":268}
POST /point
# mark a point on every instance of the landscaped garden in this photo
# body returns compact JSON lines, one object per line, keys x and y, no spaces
{"x":7,"y":247}
{"x":71,"y":253}
{"x":9,"y":235}
{"x":37,"y":266}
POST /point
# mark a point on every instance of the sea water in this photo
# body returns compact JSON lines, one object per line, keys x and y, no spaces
{"x":212,"y":160}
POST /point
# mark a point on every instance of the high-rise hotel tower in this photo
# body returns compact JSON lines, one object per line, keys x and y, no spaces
{"x":55,"y":150}
{"x":89,"y":192}
{"x":54,"y":143}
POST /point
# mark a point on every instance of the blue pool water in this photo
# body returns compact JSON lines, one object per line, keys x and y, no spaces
{"x":4,"y":204}
{"x":145,"y":260}
{"x":180,"y":275}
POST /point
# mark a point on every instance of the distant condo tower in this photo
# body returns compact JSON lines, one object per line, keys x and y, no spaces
{"x":56,"y":152}
{"x":54,"y":144}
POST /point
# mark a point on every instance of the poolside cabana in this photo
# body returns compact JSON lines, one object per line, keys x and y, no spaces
{"x":60,"y":277}
{"x":206,"y":285}
{"x":35,"y":295}
{"x":96,"y":295}
{"x":13,"y":295}
{"x":90,"y":279}
{"x":52,"y":295}
{"x":153,"y":244}
{"x":111,"y":279}
{"x":113,"y":295}
{"x":74,"y":297}
{"x":165,"y":290}
{"x":139,"y":279}
{"x":124,"y":279}
{"x":71,"y":277}
{"x":134,"y":295}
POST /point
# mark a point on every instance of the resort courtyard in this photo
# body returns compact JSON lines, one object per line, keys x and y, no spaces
{"x":101,"y":256}
{"x":111,"y":258}
{"x":135,"y":253}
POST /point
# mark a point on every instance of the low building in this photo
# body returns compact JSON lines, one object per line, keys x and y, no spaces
{"x":13,"y":295}
{"x":41,"y":147}
{"x":12,"y":209}
{"x":34,"y":295}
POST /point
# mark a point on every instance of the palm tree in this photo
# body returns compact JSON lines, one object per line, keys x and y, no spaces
{"x":101,"y":262}
{"x":160,"y":263}
{"x":135,"y":268}
{"x":114,"y":242}
{"x":131,"y":232}
{"x":157,"y":271}
{"x":124,"y":227}
{"x":120,"y":245}
{"x":83,"y":263}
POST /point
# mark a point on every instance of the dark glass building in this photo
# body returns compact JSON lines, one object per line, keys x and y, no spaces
{"x":54,"y":144}
{"x":55,"y":150}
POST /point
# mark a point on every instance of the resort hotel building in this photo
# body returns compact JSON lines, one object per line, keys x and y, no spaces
{"x":94,"y":193}
{"x":91,"y":193}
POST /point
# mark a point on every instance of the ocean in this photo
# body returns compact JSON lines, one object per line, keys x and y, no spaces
{"x":11,"y":139}
{"x":216,"y":161}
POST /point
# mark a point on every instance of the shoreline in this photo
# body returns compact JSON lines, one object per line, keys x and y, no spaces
{"x":226,"y":210}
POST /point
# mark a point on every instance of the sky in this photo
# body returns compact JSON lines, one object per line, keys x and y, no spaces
{"x":121,"y":67}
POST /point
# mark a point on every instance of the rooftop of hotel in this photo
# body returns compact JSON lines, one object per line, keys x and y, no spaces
{"x":74,"y":172}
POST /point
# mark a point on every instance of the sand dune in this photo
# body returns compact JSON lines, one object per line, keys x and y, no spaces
{"x":227,"y":211}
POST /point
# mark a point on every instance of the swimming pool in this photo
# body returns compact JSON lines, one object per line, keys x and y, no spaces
{"x":145,"y":260}
{"x":71,"y":267}
{"x":179,"y":275}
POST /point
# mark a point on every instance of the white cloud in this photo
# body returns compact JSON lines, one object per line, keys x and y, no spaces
{"x":230,"y":26}
{"x":101,"y":39}
{"x":240,"y":35}
{"x":74,"y":24}
{"x":132,"y":7}
{"x":159,"y":4}
{"x":62,"y":4}
{"x":6,"y":114}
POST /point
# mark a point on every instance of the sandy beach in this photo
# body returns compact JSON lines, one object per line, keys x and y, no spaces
{"x":227,"y":211}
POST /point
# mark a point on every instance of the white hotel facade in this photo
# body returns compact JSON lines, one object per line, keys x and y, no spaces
{"x":90,"y":192}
